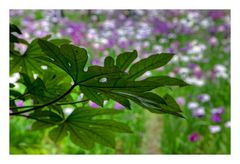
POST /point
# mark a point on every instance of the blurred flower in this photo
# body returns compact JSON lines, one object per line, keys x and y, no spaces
{"x":96,"y":61}
{"x":216,"y":118}
{"x":216,"y":14}
{"x":68,"y":111}
{"x":193,"y":105}
{"x":227,"y":124}
{"x":213,"y":41}
{"x":198,"y":112}
{"x":214,"y":128}
{"x":21,"y":48}
{"x":219,"y":110}
{"x":195,"y":81}
{"x":221,"y":71}
{"x":204,"y":97}
{"x":19,"y":103}
{"x":180,"y":100}
{"x":194,"y":137}
{"x":118,"y":106}
{"x":93,"y":104}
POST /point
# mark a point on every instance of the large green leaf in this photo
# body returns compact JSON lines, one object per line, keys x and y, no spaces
{"x":30,"y":62}
{"x":150,"y":63}
{"x":70,"y":58}
{"x":153,"y":102}
{"x":108,"y":81}
{"x":84,"y":130}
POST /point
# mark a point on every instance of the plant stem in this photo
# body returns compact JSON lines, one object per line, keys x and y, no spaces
{"x":63,"y":103}
{"x":49,"y":103}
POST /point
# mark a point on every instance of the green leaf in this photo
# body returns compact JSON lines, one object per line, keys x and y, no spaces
{"x":40,"y":125}
{"x":152,"y":62}
{"x":124,"y":101}
{"x":14,"y":28}
{"x":35,"y":87}
{"x":110,"y":125}
{"x":153,"y":102}
{"x":58,"y":133}
{"x":162,"y":81}
{"x":125,"y":59}
{"x":171,"y":102}
{"x":28,"y":63}
{"x":109,"y":62}
{"x":80,"y":137}
{"x":71,"y":59}
{"x":92,"y":95}
{"x":60,"y":42}
{"x":85,"y":131}
{"x":88,"y":113}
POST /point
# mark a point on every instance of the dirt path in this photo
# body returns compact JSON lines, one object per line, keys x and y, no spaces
{"x":151,"y":140}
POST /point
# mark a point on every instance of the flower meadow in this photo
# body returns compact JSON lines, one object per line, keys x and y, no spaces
{"x":200,"y":40}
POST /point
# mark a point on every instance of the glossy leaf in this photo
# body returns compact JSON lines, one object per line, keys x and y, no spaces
{"x":85,"y":131}
{"x":125,"y":59}
{"x":150,"y":63}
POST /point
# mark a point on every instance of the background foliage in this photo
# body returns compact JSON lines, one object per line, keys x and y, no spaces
{"x":200,"y":40}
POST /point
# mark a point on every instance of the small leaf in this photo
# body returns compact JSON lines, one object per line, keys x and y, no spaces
{"x":152,"y":62}
{"x":125,"y":59}
{"x":171,"y":102}
{"x":92,"y":94}
{"x":109,"y":62}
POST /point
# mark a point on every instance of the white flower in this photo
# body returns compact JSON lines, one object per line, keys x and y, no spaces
{"x":195,"y":81}
{"x":67,"y":111}
{"x":15,"y":77}
{"x":198,"y":112}
{"x":214,"y":128}
{"x":227,"y":124}
{"x":193,"y":105}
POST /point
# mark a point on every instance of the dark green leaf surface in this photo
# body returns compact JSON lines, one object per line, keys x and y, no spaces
{"x":58,"y":133}
{"x":162,"y":81}
{"x":85,"y":131}
{"x":150,"y":63}
{"x":125,"y":59}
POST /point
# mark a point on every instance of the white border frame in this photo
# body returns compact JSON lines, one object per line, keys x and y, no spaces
{"x":120,"y":4}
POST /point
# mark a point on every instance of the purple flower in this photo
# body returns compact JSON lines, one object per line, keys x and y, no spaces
{"x":118,"y":106}
{"x":19,"y":103}
{"x":180,"y":100}
{"x":160,"y":27}
{"x":204,"y":97}
{"x":216,"y":118}
{"x":216,"y":14}
{"x":195,"y":136}
{"x":198,"y":112}
{"x":219,"y":110}
{"x":93,"y":104}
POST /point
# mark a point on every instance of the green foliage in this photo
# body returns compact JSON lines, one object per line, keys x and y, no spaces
{"x":67,"y":75}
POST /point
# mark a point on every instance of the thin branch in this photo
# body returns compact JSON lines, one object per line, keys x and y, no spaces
{"x":20,"y":96}
{"x":76,"y":102}
{"x":33,"y":118}
{"x":49,"y":103}
{"x":63,"y":103}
